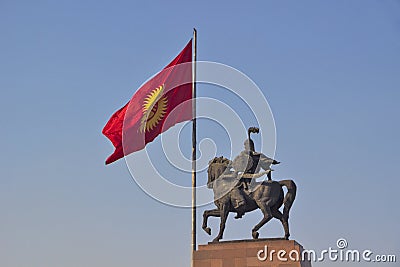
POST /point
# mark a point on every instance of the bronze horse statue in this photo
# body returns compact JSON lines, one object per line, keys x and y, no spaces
{"x":267,"y":196}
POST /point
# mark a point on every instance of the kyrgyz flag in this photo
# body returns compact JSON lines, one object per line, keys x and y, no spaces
{"x":163,"y":101}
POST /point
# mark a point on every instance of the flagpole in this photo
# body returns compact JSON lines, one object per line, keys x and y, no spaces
{"x":194,"y":135}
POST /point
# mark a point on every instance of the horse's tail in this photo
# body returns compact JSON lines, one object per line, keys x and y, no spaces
{"x":289,"y":197}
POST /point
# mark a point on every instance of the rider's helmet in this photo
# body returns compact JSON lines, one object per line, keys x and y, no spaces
{"x":249,"y":145}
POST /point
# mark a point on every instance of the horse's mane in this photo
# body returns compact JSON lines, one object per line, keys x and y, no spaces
{"x":216,"y":167}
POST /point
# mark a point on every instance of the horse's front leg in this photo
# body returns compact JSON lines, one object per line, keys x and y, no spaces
{"x":206,"y":214}
{"x":224,"y":211}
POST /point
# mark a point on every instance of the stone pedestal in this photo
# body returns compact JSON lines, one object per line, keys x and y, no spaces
{"x":250,"y":253}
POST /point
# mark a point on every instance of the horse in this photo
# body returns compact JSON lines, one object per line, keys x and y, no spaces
{"x":268,"y":196}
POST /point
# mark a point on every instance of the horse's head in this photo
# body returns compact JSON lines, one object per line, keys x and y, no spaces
{"x":216,"y":168}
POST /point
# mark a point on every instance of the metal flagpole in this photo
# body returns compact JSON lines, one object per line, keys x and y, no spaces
{"x":194,"y":133}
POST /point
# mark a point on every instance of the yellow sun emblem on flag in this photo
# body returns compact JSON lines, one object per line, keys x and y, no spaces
{"x":154,"y":109}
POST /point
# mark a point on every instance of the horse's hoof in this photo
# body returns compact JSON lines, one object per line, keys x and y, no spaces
{"x":215,"y":240}
{"x":208,"y":230}
{"x":287,"y":236}
{"x":255,"y":234}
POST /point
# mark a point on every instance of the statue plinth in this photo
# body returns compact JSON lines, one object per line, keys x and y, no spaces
{"x":254,"y":253}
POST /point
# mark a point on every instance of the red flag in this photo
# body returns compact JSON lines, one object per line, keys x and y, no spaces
{"x":163,"y":101}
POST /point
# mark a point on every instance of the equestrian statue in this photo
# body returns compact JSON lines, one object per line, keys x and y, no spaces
{"x":236,"y":189}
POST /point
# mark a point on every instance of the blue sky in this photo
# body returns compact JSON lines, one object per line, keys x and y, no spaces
{"x":329,"y":69}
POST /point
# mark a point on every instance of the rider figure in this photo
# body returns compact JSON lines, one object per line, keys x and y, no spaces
{"x":249,"y":163}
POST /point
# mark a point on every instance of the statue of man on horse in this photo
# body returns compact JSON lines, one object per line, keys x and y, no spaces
{"x":236,"y":190}
{"x":247,"y":164}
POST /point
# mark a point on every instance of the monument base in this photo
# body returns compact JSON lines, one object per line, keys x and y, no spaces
{"x":250,"y":253}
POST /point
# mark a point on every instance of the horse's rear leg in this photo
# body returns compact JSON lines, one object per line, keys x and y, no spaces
{"x":206,"y":214}
{"x":224,"y":216}
{"x":266,"y":210}
{"x":277,"y":214}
